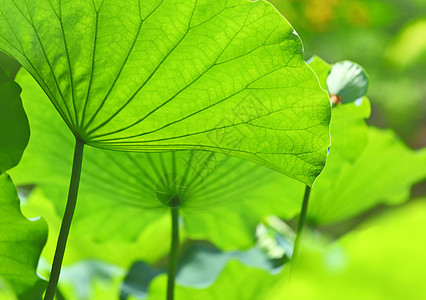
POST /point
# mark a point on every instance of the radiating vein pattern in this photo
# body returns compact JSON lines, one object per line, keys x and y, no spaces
{"x":132,"y":189}
{"x":160,"y":75}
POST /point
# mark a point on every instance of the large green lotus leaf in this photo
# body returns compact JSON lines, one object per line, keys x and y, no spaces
{"x":120,"y":192}
{"x":235,"y":282}
{"x":383,"y":259}
{"x":383,"y":174}
{"x":14,"y":129}
{"x":21,"y":242}
{"x":151,"y":75}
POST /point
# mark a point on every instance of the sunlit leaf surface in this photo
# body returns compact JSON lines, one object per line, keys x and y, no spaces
{"x":225,"y":76}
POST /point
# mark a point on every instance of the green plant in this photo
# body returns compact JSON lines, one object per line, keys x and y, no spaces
{"x":118,"y":107}
{"x":224,"y":85}
{"x":21,"y":239}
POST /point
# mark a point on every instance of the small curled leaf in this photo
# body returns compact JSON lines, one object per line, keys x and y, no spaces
{"x":346,"y":82}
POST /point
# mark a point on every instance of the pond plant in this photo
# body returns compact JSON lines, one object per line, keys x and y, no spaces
{"x":199,"y":120}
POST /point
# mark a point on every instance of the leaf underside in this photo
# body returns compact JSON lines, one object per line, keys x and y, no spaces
{"x":127,"y":188}
{"x":224,"y":76}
